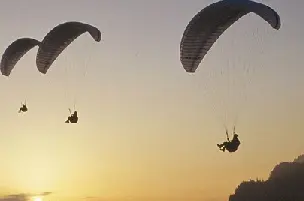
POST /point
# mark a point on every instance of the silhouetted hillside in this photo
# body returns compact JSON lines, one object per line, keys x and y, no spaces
{"x":286,"y":183}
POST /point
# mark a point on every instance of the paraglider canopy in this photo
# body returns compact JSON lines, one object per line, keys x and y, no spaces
{"x":58,"y":39}
{"x":210,"y":23}
{"x":14,"y":52}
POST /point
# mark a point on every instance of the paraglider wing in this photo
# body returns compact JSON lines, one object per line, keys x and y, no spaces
{"x":210,"y":23}
{"x":58,"y":39}
{"x":14,"y":53}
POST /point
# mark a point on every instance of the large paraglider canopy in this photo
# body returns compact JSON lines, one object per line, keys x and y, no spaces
{"x":58,"y":39}
{"x":226,"y":84}
{"x":15,"y":52}
{"x":210,"y":23}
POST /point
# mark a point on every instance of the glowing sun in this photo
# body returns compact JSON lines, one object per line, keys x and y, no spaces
{"x":37,"y":199}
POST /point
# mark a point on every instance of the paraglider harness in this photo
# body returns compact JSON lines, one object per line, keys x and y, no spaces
{"x":73,"y":118}
{"x":23,"y":108}
{"x":232,"y":145}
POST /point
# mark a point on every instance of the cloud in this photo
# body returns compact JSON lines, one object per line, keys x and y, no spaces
{"x":16,"y":197}
{"x":22,"y":196}
{"x":45,"y":193}
{"x":94,"y":198}
{"x":285,"y":182}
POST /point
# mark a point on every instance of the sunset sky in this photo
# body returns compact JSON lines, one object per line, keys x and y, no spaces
{"x":147,"y":130}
